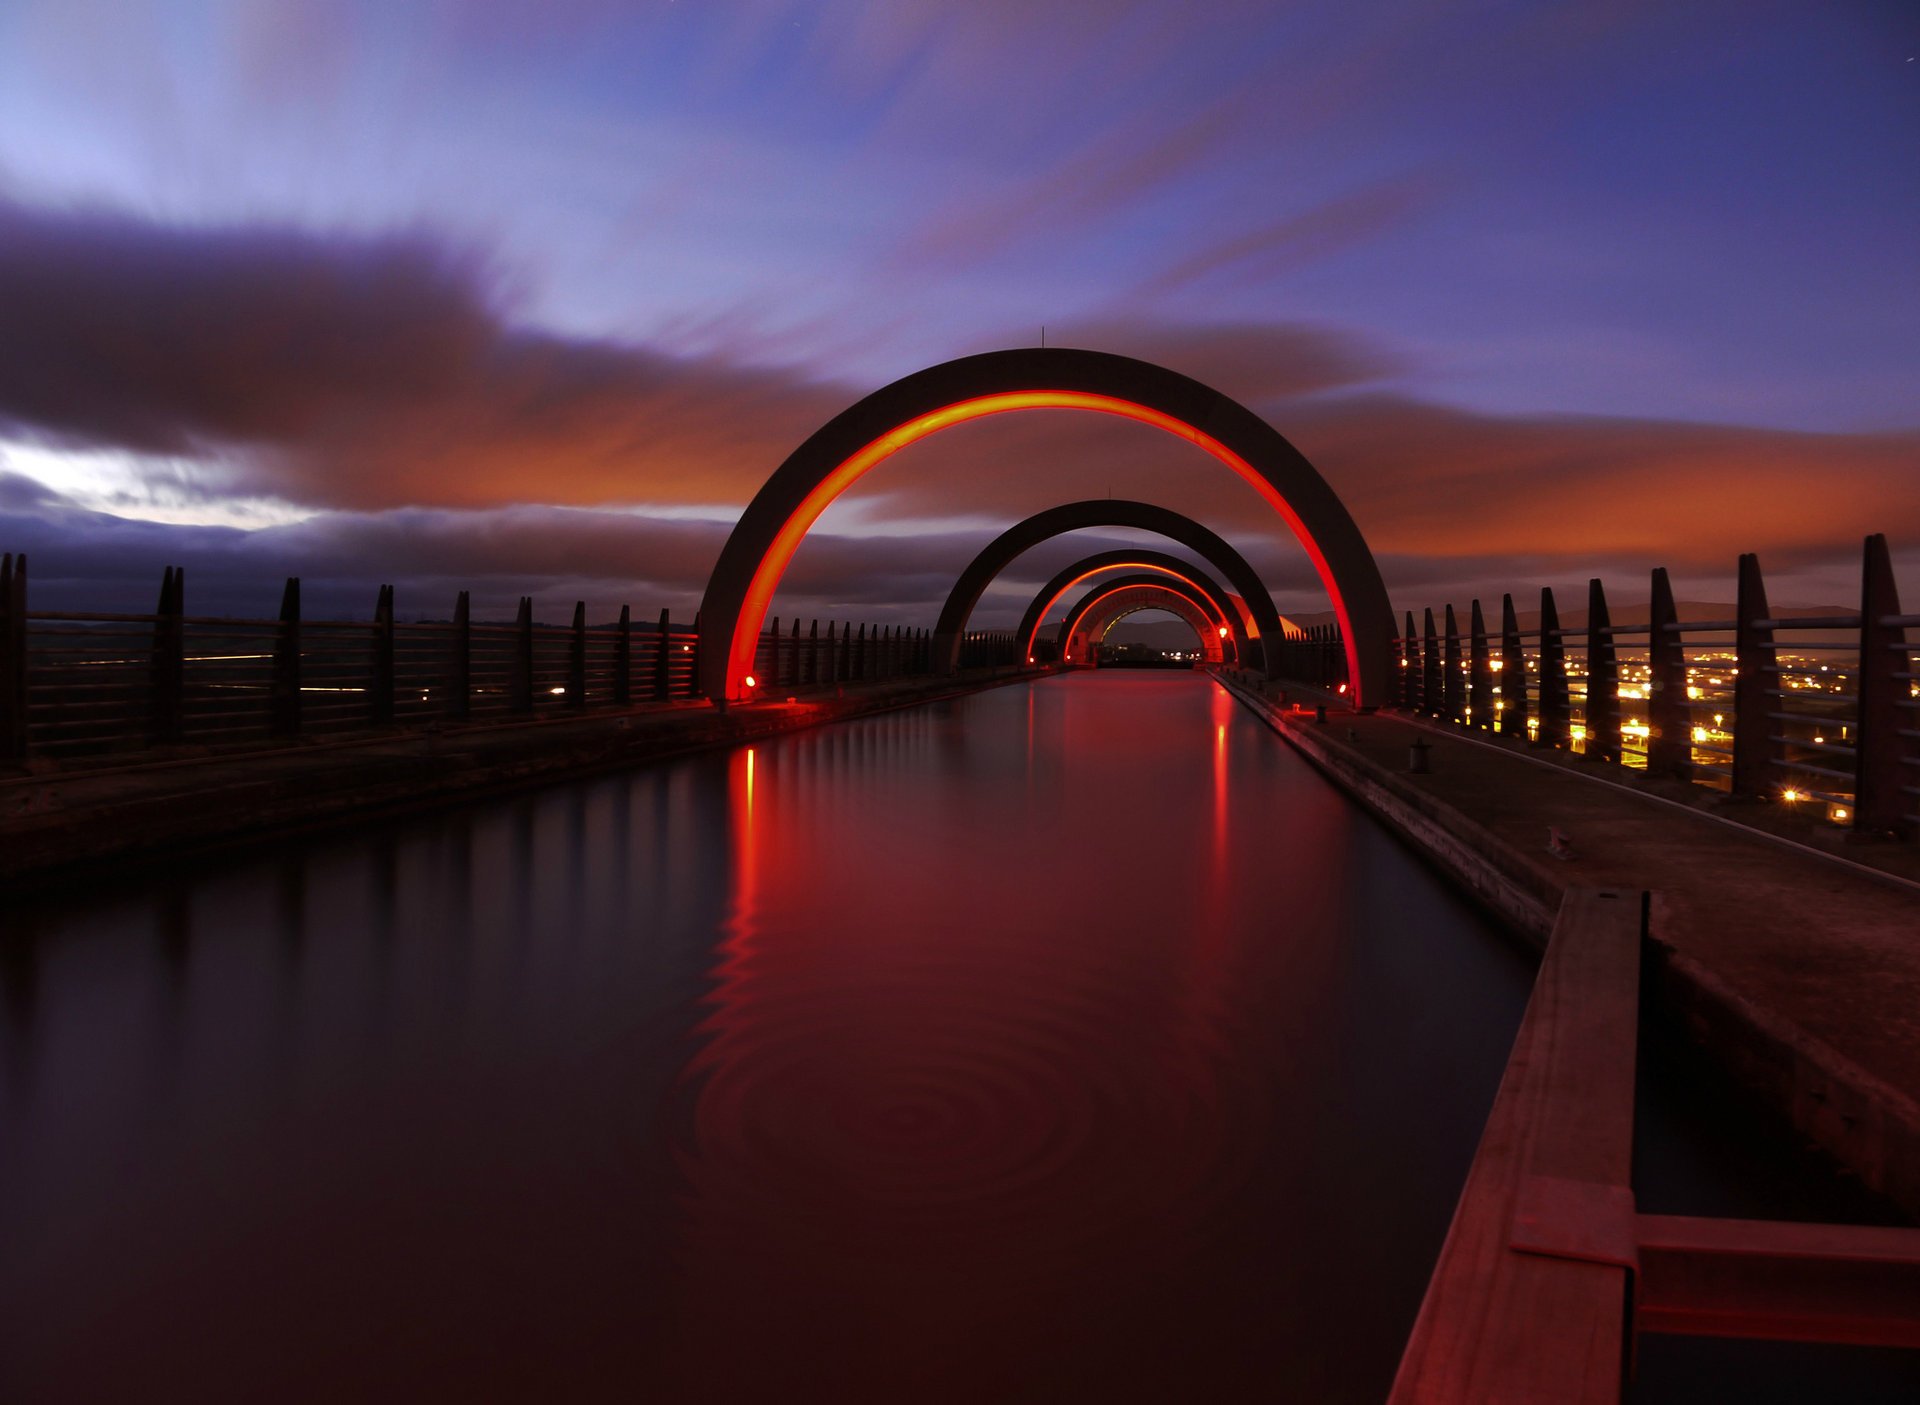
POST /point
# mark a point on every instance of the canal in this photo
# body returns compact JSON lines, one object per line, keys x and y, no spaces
{"x":1063,"y":1041}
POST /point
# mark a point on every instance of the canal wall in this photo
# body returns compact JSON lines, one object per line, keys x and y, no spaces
{"x":63,"y":826}
{"x":1798,"y":971}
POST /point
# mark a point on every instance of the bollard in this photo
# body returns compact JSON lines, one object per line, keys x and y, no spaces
{"x":1417,"y":761}
{"x":1320,"y":713}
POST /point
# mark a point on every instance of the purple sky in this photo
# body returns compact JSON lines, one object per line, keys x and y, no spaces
{"x":530,"y":297}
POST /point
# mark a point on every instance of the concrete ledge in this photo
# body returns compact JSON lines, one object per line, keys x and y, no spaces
{"x":59,"y":827}
{"x":1867,"y":1119}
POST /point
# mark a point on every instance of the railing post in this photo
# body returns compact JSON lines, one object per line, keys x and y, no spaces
{"x":1756,"y":677}
{"x":1513,"y":673}
{"x":1456,"y":685}
{"x":13,"y":657}
{"x":793,"y":664}
{"x":577,"y":658}
{"x":380,"y":683}
{"x":520,"y":671}
{"x":846,"y":653}
{"x":169,"y":664}
{"x":284,"y":693}
{"x":771,"y":675}
{"x":662,"y":656}
{"x":1410,"y":670}
{"x":1480,"y":664}
{"x":459,"y":706}
{"x":812,"y":675}
{"x":1603,"y":679}
{"x":830,"y":669}
{"x":623,"y":659}
{"x":860,"y":656}
{"x":1880,"y":752}
{"x":1669,"y":719}
{"x":1432,"y":694}
{"x":1556,"y":708}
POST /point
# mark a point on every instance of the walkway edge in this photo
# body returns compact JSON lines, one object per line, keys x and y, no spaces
{"x":1867,"y":1125}
{"x":53,"y":833}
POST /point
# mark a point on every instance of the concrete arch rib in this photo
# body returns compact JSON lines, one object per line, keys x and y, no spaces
{"x":1203,"y":542}
{"x":1224,"y":608}
{"x":866,"y":433}
{"x":1106,"y":602}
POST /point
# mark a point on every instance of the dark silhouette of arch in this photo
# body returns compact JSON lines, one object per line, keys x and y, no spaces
{"x":1223,"y":607}
{"x":1208,"y":545}
{"x":839,"y":452}
{"x":1129,"y":594}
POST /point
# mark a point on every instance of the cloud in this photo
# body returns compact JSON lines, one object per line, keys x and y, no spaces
{"x":1300,"y":237}
{"x":384,"y":381}
{"x":361,"y":372}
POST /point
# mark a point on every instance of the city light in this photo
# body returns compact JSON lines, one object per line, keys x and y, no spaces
{"x":751,"y":681}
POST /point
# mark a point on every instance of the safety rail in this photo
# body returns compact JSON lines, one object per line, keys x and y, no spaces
{"x":1819,"y":711}
{"x":82,"y":686}
{"x":1550,"y":1270}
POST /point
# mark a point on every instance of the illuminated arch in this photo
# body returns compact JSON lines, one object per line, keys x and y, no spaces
{"x":1132,"y":593}
{"x":1208,"y":545}
{"x":846,"y":447}
{"x":1222,"y":607}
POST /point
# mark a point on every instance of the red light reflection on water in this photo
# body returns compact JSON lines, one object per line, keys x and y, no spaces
{"x":947,"y":1139}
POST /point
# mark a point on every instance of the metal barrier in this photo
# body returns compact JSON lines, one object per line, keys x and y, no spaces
{"x":1809,"y":710}
{"x":78,"y":686}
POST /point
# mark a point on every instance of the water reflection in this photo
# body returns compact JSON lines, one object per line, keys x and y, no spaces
{"x":1070,"y":1041}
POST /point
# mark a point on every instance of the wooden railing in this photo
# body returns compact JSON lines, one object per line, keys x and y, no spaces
{"x":78,"y":685}
{"x":1813,"y":711}
{"x":1549,"y":1270}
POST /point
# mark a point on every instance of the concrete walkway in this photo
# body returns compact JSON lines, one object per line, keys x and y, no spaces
{"x":1800,"y":970}
{"x":62,"y":826}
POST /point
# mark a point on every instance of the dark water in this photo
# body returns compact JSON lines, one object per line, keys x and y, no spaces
{"x":1062,"y":1042}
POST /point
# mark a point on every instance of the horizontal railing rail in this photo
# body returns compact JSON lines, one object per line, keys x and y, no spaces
{"x":81,"y":686}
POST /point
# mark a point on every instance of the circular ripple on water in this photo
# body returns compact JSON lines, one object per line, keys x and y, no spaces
{"x":993,"y":1099}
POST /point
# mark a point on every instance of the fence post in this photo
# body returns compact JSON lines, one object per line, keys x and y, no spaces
{"x":1556,"y":708}
{"x":13,"y":657}
{"x":459,"y":705}
{"x":829,"y":672}
{"x":662,"y":653}
{"x":623,"y":659}
{"x":1603,"y":678}
{"x":577,"y":658}
{"x":1513,"y":673}
{"x":860,"y":656}
{"x":1756,"y":676}
{"x":284,"y":694}
{"x":1880,"y":752}
{"x":1432,"y":692}
{"x":520,"y":671}
{"x":1669,"y":719}
{"x":1409,"y":667}
{"x":813,"y":653}
{"x":1455,"y":690}
{"x":169,"y":664}
{"x":380,"y":682}
{"x":1480,"y":664}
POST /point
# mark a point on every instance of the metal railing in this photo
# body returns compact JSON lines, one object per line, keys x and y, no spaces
{"x":78,"y":686}
{"x":1814,"y":710}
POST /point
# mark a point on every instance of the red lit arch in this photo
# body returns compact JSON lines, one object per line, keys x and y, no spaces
{"x":1133,"y":593}
{"x":1222,"y":608}
{"x":845,"y":448}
